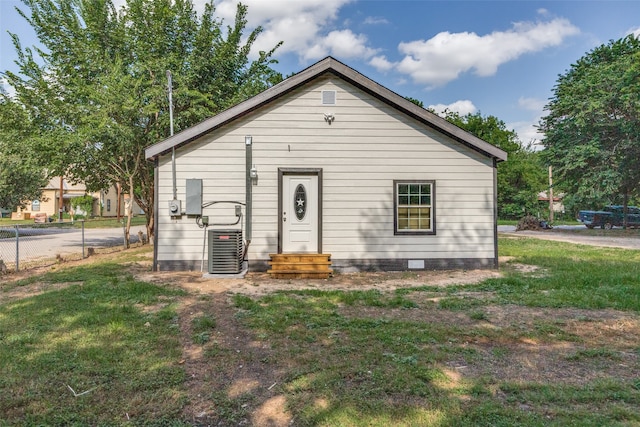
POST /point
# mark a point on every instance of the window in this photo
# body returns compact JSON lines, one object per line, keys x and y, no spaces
{"x":414,"y":207}
{"x":35,"y":206}
{"x":108,"y":205}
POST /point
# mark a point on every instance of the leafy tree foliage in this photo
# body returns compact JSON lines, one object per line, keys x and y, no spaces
{"x":96,"y":90}
{"x":82,"y":206}
{"x":592,"y":131}
{"x":21,"y":178}
{"x":521,"y":178}
{"x":415,"y":101}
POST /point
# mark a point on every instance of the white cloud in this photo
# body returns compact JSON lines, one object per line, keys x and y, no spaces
{"x":462,"y":107}
{"x":527,"y":131}
{"x":381,"y":63}
{"x":343,"y":44}
{"x":375,"y":20}
{"x":264,"y":11}
{"x":307,"y":28}
{"x":445,"y":56}
{"x":7,"y":88}
{"x":532,"y":104}
{"x":634,"y":31}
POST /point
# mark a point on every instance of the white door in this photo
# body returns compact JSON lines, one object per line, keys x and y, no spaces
{"x":299,"y":214}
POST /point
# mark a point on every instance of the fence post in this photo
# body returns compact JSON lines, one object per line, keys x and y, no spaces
{"x":17,"y":248}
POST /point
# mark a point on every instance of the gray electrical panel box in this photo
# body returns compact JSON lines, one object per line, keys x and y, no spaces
{"x":194,"y":197}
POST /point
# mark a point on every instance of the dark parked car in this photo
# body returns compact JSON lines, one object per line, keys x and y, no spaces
{"x":610,"y":216}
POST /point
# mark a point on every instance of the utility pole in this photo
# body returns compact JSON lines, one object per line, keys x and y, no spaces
{"x":173,"y":149}
{"x":550,"y":195}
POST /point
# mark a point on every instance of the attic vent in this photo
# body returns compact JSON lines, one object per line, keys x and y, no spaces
{"x":328,"y":97}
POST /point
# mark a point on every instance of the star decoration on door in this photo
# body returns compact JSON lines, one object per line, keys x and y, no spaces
{"x":300,"y":199}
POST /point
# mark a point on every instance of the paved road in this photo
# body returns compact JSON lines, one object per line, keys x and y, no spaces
{"x":558,"y":235}
{"x":49,"y":242}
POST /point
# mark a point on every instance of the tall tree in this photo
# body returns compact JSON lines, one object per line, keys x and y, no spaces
{"x":98,"y":91}
{"x":592,"y":130}
{"x":522,"y":177}
{"x":21,"y":178}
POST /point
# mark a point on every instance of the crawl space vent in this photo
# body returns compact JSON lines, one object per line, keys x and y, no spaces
{"x":328,"y":97}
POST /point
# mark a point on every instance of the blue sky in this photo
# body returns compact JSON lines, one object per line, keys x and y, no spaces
{"x":500,"y":58}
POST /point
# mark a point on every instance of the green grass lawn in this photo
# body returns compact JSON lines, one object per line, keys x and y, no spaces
{"x":107,"y":337}
{"x":557,"y":344}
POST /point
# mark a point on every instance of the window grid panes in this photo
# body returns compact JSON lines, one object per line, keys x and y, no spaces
{"x":414,"y":206}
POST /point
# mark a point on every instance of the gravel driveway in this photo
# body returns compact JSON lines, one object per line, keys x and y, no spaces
{"x":565,"y":234}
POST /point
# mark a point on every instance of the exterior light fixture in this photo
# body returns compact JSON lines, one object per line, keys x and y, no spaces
{"x":329,"y":118}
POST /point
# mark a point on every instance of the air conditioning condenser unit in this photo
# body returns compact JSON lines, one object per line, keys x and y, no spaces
{"x":225,"y":251}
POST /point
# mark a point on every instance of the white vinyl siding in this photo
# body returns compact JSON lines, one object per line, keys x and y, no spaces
{"x":366,"y":148}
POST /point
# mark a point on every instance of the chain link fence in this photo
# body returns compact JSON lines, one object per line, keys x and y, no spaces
{"x":27,"y":246}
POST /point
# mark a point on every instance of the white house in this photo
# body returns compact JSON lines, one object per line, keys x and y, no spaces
{"x":327,"y":162}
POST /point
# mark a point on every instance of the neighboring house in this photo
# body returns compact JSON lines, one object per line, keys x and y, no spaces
{"x":49,"y":201}
{"x":108,"y":199}
{"x":329,"y":161}
{"x":558,"y":206}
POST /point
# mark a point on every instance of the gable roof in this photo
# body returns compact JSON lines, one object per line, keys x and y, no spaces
{"x":327,"y":65}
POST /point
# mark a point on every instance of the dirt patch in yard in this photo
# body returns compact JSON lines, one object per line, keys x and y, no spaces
{"x":565,"y":346}
{"x":258,"y":284}
{"x":245,"y":367}
{"x":569,"y":346}
{"x":231,"y":366}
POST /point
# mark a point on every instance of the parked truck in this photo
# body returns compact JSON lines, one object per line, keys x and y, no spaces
{"x":610,"y":216}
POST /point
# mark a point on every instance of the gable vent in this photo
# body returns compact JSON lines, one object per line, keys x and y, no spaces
{"x":328,"y":97}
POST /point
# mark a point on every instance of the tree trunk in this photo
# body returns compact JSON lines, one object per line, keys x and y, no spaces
{"x":118,"y":197}
{"x":150,"y":224}
{"x":145,"y":197}
{"x":129,"y":213}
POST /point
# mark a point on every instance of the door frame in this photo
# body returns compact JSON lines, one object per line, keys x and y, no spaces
{"x":299,"y":171}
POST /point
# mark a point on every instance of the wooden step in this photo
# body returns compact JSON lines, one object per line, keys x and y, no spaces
{"x":300,"y":266}
{"x":297,"y":274}
{"x":300,"y":257}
